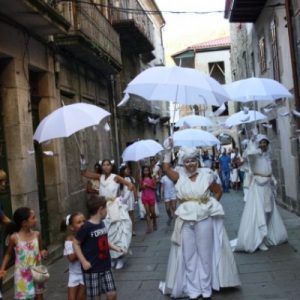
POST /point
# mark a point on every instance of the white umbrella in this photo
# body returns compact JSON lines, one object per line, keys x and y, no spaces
{"x":244,"y":116}
{"x":194,"y":137}
{"x":141,"y":149}
{"x":68,"y":119}
{"x":194,"y":120}
{"x":179,"y":85}
{"x":256,"y":89}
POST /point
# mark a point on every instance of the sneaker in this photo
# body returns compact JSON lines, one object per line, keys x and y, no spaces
{"x":263,"y":247}
{"x":119,"y":264}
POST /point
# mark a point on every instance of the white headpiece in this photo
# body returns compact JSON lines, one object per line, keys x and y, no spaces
{"x":68,"y":220}
{"x":261,"y":137}
{"x":188,"y":152}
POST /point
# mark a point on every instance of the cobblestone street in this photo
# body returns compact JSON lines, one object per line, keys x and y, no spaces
{"x":273,"y":274}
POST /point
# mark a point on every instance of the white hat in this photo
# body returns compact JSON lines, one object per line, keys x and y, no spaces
{"x":189,"y":152}
{"x":261,"y":137}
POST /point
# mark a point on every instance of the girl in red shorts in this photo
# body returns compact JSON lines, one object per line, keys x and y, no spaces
{"x":148,"y":188}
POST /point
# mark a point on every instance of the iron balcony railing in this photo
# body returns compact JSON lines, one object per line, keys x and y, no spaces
{"x":132,"y":11}
{"x":87,"y":20}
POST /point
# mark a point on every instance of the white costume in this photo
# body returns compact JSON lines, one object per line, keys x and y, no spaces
{"x":247,"y":177}
{"x":200,"y":257}
{"x":117,"y":221}
{"x":128,"y":196}
{"x":261,"y":224}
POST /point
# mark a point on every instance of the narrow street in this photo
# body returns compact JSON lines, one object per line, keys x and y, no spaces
{"x":273,"y":274}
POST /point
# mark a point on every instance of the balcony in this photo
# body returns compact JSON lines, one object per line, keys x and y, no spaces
{"x":134,"y":26}
{"x":136,"y":106}
{"x":91,"y":37}
{"x":140,"y":108}
{"x":37,"y":16}
{"x":243,"y":11}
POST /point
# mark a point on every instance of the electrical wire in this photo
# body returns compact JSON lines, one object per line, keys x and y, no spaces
{"x":143,"y":11}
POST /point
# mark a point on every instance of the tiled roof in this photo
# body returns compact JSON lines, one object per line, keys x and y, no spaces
{"x":221,"y":42}
{"x":208,"y":45}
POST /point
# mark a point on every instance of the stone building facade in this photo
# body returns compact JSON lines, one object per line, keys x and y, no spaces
{"x":261,"y":47}
{"x":55,"y":53}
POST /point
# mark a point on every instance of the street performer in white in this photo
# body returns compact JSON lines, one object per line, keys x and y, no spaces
{"x":261,"y":224}
{"x":200,"y":257}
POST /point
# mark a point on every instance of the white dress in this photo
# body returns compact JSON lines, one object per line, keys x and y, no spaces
{"x":128,"y":196}
{"x":117,"y":221}
{"x":198,"y":208}
{"x":75,"y":271}
{"x":260,"y":210}
{"x":247,"y":176}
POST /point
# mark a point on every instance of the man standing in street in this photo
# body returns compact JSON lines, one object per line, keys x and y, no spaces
{"x":206,"y":159}
{"x":224,"y":165}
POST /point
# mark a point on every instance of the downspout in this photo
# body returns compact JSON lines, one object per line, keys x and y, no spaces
{"x":295,"y":82}
{"x":161,"y":38}
{"x":116,"y":146}
{"x":293,"y":57}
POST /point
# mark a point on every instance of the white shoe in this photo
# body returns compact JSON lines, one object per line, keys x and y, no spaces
{"x":263,"y":247}
{"x":119,"y":264}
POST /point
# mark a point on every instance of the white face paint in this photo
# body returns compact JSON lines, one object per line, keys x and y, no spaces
{"x":191,"y":166}
{"x":263,"y":145}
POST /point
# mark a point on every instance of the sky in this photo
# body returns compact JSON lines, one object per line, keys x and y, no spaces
{"x":183,"y":30}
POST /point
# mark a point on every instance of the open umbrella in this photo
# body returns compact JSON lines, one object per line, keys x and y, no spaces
{"x":179,"y":85}
{"x":256,"y":89}
{"x":141,"y":149}
{"x":194,"y":138}
{"x":244,"y":116}
{"x":194,"y":120}
{"x":68,"y":119}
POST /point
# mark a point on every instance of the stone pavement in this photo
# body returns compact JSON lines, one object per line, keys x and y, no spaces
{"x":274,"y":274}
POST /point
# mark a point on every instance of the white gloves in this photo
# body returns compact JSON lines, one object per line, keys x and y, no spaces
{"x":274,"y":181}
{"x":83,"y":164}
{"x":168,"y":145}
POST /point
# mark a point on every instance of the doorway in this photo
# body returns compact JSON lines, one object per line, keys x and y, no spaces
{"x":35,"y":99}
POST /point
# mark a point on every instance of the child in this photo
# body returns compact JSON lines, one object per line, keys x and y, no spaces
{"x":26,"y":244}
{"x":92,"y":249}
{"x":168,"y":193}
{"x":76,"y":288}
{"x":148,"y":187}
{"x":128,"y":197}
{"x":3,"y":220}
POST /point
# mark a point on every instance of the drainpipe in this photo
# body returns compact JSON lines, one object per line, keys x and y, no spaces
{"x":293,"y":57}
{"x":114,"y":120}
{"x":161,"y":38}
{"x":295,"y":80}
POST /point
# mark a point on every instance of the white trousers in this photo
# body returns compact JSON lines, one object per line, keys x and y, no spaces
{"x":197,"y":245}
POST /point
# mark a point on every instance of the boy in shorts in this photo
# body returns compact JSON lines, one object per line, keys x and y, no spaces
{"x":92,"y":249}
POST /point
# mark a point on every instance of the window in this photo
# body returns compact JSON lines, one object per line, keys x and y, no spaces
{"x":275,"y":50}
{"x":262,"y":55}
{"x":252,"y":64}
